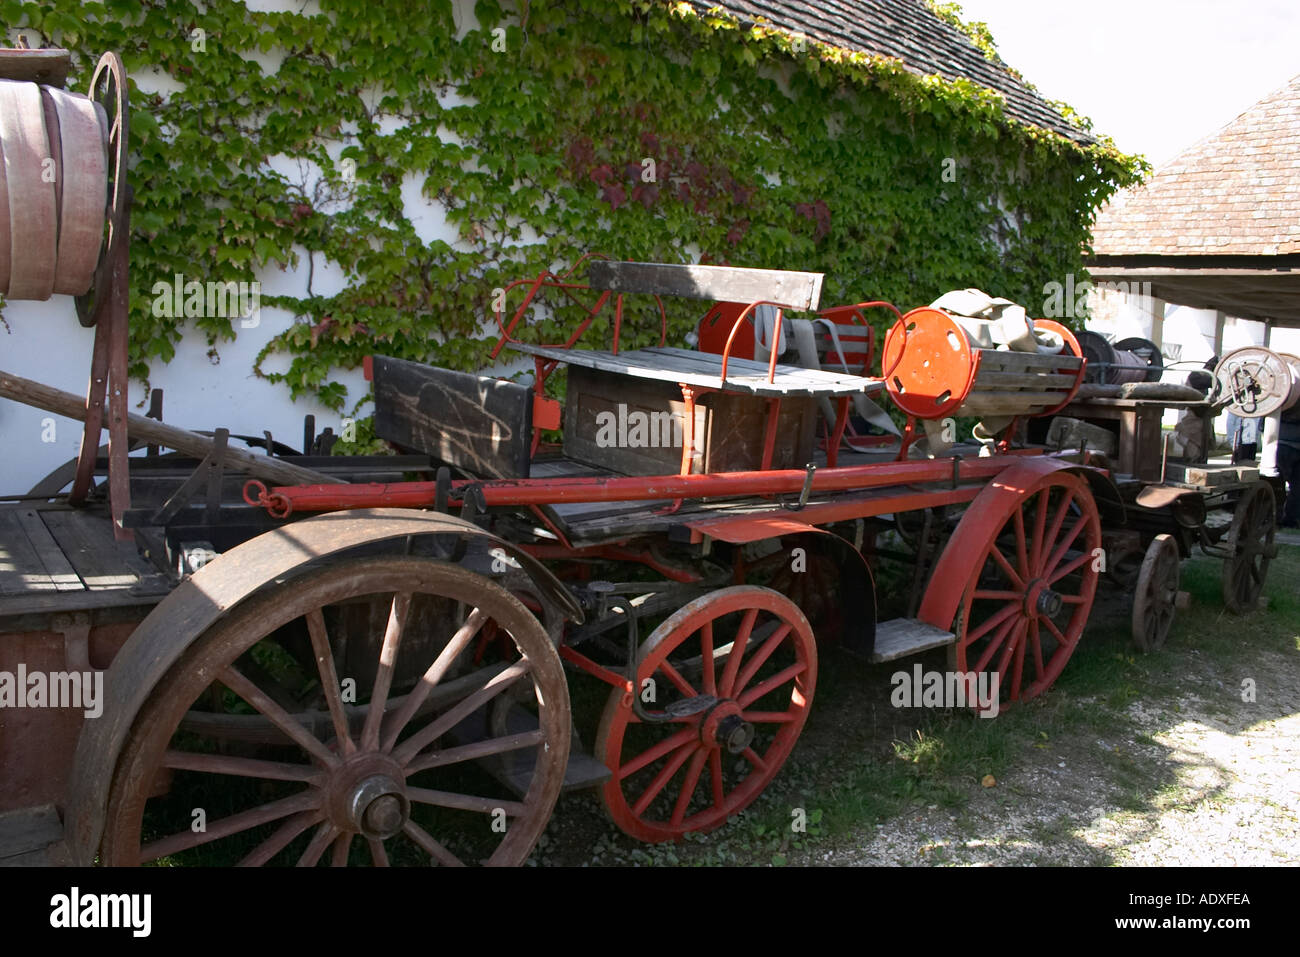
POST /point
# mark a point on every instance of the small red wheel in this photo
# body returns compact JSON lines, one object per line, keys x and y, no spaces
{"x":738,"y":714}
{"x":1027,"y":599}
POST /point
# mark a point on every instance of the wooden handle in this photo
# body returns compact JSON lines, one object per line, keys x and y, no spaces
{"x":182,"y":440}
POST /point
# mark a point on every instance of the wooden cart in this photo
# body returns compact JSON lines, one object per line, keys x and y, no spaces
{"x":307,"y":659}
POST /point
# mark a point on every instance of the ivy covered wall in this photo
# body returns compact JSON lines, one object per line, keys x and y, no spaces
{"x":535,"y":127}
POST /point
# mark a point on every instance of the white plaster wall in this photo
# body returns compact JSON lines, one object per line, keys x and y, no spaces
{"x":45,"y":342}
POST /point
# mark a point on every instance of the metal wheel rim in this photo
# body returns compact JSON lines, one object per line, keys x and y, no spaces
{"x":315,"y":808}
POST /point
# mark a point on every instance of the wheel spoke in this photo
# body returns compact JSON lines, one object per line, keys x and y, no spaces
{"x":738,"y":648}
{"x":417,"y":742}
{"x":384,"y":675}
{"x":674,"y":676}
{"x":339,"y":853}
{"x":240,"y":767}
{"x":1056,"y":632}
{"x":706,"y":651}
{"x":987,"y":655}
{"x":752,"y":757}
{"x":466,"y":802}
{"x":1019,"y":666}
{"x":1059,"y":519}
{"x":757,"y":692}
{"x":998,"y":595}
{"x":226,"y":826}
{"x":1074,"y":565}
{"x":692,"y":781}
{"x":756,"y":660}
{"x":1059,"y":552}
{"x":378,"y":856}
{"x":1039,"y":670}
{"x":435,"y":673}
{"x":1040,"y":526}
{"x":479,"y":749}
{"x":1012,"y":575}
{"x":254,"y":695}
{"x":1007,"y":651}
{"x":425,"y":841}
{"x":992,"y":622}
{"x":718,"y":787}
{"x":650,"y":755}
{"x":329,"y":678}
{"x":282,"y":838}
{"x":661,"y":779}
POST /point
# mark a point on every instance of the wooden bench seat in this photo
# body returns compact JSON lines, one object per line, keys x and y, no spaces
{"x":704,"y":369}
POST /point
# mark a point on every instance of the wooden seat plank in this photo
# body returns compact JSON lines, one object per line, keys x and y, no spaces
{"x":704,"y":370}
{"x":61,"y":573}
{"x":87,"y":541}
{"x":21,"y":569}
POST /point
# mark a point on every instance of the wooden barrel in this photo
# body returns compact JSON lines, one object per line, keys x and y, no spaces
{"x":30,"y":173}
{"x":53,"y":190}
{"x":84,"y":196}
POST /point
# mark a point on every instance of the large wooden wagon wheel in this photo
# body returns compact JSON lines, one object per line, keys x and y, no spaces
{"x":1156,"y":593}
{"x":1030,"y":590}
{"x":110,"y":91}
{"x":737,"y":669}
{"x":255,"y":727}
{"x":1251,"y":548}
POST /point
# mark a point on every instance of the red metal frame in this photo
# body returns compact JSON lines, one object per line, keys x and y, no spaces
{"x":577,"y":658}
{"x":282,"y":501}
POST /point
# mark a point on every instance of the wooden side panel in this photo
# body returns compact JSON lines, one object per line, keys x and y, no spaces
{"x":475,"y":423}
{"x":634,"y":426}
{"x":625,"y":424}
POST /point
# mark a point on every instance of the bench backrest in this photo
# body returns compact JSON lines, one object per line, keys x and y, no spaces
{"x":794,"y":290}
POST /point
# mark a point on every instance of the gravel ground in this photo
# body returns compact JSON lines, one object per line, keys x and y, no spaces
{"x":1176,"y":769}
{"x":1223,"y":772}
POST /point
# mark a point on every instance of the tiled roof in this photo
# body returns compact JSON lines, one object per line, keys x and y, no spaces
{"x":1236,"y":192}
{"x":910,"y":31}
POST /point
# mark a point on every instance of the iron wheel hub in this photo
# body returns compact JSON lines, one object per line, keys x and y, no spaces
{"x":1042,"y":601}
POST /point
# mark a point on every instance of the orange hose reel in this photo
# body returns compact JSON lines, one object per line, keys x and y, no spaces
{"x":933,"y":370}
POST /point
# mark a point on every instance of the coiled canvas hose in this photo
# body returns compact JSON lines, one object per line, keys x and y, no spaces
{"x":1132,"y":360}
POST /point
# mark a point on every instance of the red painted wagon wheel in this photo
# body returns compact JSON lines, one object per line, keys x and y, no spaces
{"x":1250,"y":541}
{"x":739,"y":713}
{"x":254,"y":724}
{"x":1027,"y":600}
